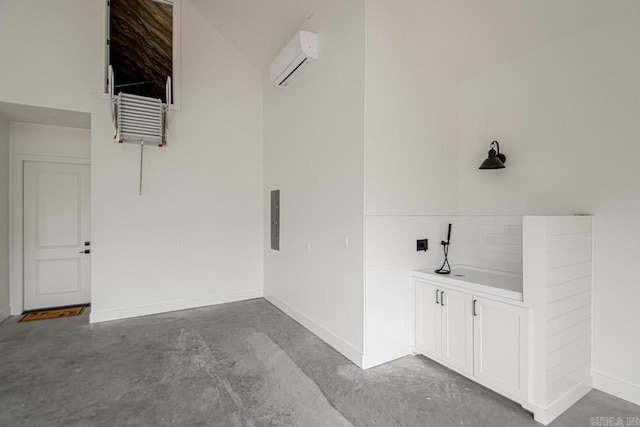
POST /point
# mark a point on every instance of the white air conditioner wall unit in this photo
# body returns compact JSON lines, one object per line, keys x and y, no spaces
{"x":295,"y":59}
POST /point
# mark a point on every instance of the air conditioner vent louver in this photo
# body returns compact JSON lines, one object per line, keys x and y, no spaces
{"x":295,"y":59}
{"x":284,"y":81}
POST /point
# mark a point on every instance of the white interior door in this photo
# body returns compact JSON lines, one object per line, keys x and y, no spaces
{"x":57,"y":271}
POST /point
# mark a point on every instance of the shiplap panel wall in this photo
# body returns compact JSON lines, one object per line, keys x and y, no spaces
{"x":569,"y":269}
{"x":557,"y":261}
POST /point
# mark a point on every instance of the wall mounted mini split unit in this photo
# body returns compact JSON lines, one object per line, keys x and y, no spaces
{"x":295,"y":59}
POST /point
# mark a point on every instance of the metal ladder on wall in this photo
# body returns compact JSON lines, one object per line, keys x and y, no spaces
{"x":139,"y":119}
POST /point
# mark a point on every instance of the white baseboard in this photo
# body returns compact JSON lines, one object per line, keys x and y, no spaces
{"x":617,"y":387}
{"x":546,"y":415}
{"x":369,"y":361}
{"x":145,"y":310}
{"x":347,"y":350}
{"x":4,"y":313}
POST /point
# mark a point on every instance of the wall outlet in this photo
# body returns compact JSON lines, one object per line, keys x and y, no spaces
{"x":422,"y":244}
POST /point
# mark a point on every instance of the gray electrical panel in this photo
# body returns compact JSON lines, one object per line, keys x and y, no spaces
{"x":275,"y":220}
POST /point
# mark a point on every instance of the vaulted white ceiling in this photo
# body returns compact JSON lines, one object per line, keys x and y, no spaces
{"x":469,"y":35}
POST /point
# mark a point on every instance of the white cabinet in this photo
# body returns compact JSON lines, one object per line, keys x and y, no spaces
{"x":457,"y":329}
{"x":428,"y":319}
{"x":499,"y":342}
{"x":481,"y":338}
{"x":444,"y":325}
{"x":525,"y":328}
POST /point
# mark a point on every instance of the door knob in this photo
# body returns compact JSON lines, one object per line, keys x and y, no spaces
{"x":86,"y":251}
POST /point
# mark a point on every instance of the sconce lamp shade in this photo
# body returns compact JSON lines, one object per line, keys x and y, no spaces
{"x":495,"y":160}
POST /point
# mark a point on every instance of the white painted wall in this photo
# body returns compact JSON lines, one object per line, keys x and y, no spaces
{"x":47,"y":140}
{"x":411,"y":161}
{"x":411,"y":118}
{"x":53,"y":52}
{"x":567,"y":119}
{"x":195,"y":237}
{"x":36,"y":142}
{"x":314,"y":137}
{"x":4,"y":218}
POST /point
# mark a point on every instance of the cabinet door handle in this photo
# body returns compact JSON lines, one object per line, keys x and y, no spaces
{"x":437,"y":291}
{"x":474,"y":307}
{"x":442,"y":298}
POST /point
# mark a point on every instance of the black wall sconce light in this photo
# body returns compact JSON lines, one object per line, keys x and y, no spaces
{"x":495,"y":160}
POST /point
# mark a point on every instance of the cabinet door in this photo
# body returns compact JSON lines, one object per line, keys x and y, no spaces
{"x":500,"y":337}
{"x":428,"y":322}
{"x":457,"y":330}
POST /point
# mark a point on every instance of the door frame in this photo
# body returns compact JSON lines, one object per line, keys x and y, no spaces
{"x":16,"y":220}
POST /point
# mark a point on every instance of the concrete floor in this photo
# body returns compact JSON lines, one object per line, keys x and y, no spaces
{"x":240,"y":364}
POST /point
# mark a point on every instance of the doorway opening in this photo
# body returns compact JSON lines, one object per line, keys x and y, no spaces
{"x":49,"y":198}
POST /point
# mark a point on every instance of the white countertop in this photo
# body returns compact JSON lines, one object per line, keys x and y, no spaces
{"x":506,"y":285}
